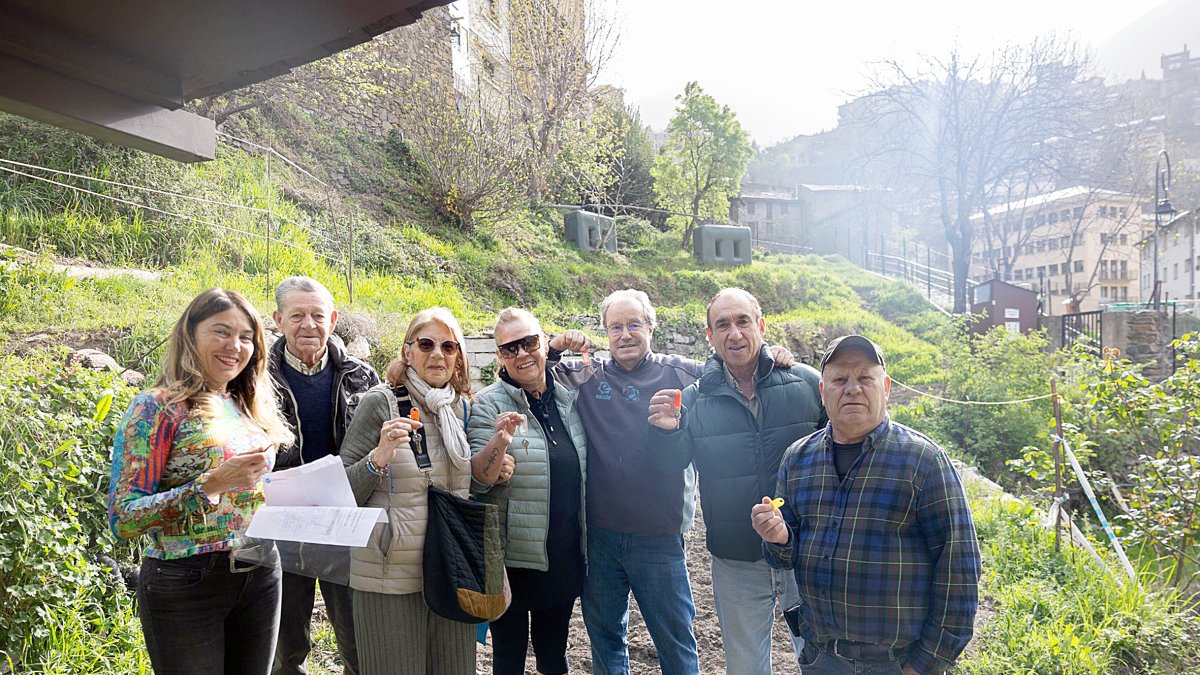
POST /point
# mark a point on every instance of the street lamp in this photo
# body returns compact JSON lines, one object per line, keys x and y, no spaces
{"x":1162,"y":206}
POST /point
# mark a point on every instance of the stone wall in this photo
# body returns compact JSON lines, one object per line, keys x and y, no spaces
{"x":1143,"y":336}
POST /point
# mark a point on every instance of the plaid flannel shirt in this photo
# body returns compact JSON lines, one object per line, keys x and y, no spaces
{"x":887,"y":556}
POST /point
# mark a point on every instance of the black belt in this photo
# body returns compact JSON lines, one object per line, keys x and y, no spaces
{"x":855,"y":651}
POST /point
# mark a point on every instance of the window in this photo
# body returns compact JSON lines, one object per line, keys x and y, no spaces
{"x":1124,"y":211}
{"x":750,"y":208}
{"x":1052,"y":245}
{"x":1124,"y":239}
{"x":1176,"y":267}
{"x":1028,"y":272}
{"x":1054,"y":270}
{"x":1104,"y":292}
{"x":770,"y":209}
{"x":1042,"y":272}
{"x":1053,"y":217}
{"x":1103,"y":211}
{"x":489,"y":68}
{"x":783,"y":209}
{"x":1124,"y":293}
{"x":1041,"y":246}
{"x":1078,"y":265}
{"x":1104,"y":270}
{"x":1065,"y":215}
{"x":1124,"y":269}
{"x":1078,"y":212}
{"x":1029,"y":223}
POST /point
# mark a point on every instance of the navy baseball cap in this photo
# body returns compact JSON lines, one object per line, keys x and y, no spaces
{"x":841,"y":344}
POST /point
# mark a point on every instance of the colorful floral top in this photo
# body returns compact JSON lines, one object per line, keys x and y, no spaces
{"x":159,"y":452}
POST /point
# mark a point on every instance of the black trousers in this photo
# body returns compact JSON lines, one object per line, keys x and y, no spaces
{"x":548,"y":629}
{"x":295,"y":618}
{"x":199,"y":617}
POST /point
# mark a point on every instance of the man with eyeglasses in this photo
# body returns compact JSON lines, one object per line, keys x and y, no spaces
{"x":734,"y":426}
{"x":318,"y":385}
{"x":636,"y":511}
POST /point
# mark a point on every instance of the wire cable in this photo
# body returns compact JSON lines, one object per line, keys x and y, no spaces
{"x":169,"y":213}
{"x":951,"y":400}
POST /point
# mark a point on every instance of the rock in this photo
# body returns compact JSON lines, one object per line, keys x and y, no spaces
{"x":359,"y":348}
{"x":352,"y":325}
{"x":93,"y":359}
{"x":133,"y":378}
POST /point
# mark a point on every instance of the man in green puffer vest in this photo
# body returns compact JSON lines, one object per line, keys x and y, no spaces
{"x":734,"y":426}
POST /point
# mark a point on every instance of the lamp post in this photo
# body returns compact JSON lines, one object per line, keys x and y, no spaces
{"x":1162,"y":206}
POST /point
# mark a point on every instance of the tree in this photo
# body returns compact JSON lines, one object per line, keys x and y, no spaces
{"x":360,"y":75}
{"x":469,"y":164}
{"x":556,"y":51}
{"x":628,"y":157}
{"x":1102,"y":165}
{"x":702,"y":162}
{"x":962,"y":130}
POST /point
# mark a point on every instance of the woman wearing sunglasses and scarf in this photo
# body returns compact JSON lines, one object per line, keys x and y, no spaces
{"x":395,"y":632}
{"x":542,"y":506}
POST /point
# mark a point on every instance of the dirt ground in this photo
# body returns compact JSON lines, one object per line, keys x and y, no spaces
{"x":643,"y":658}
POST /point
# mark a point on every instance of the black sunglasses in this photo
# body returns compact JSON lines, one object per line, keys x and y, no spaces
{"x":449,"y":347}
{"x":531,"y":343}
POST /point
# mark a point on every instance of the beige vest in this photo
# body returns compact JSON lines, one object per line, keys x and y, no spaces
{"x":391,"y":560}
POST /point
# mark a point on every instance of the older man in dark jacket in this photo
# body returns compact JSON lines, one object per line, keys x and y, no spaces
{"x":318,"y":385}
{"x":734,"y":425}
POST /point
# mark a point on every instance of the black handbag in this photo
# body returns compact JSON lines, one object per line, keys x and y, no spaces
{"x":464,"y":577}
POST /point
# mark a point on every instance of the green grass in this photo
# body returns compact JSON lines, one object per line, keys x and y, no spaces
{"x":1061,"y":612}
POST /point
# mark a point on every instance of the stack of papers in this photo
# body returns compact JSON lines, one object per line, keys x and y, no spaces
{"x":313,"y":503}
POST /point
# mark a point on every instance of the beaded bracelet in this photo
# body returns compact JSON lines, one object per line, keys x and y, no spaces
{"x":375,"y":470}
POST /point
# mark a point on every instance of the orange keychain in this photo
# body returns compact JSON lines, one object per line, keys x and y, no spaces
{"x":414,"y":414}
{"x":587,"y":357}
{"x":678,"y":402}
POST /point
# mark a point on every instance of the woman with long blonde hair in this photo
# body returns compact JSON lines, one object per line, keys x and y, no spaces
{"x":186,"y":463}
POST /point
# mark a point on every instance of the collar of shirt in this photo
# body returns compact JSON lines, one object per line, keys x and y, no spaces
{"x":298,"y":365}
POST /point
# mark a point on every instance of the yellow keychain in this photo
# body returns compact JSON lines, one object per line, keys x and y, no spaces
{"x":777,"y":502}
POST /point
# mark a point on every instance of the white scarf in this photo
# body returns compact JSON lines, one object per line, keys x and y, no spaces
{"x":441,"y":402}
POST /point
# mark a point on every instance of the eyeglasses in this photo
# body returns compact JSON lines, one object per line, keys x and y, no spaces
{"x":531,"y":343}
{"x":449,"y":347}
{"x":617,"y":329}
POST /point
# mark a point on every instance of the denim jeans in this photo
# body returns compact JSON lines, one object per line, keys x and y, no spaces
{"x":199,"y":617}
{"x":745,"y":595}
{"x":295,"y":619}
{"x":653,"y":567}
{"x":820,"y":662}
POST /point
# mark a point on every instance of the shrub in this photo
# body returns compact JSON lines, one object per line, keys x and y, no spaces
{"x":55,"y":442}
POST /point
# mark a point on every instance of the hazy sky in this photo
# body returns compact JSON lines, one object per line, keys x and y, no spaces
{"x":784,"y":66}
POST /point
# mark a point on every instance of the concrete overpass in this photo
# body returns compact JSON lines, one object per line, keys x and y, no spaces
{"x":121,"y":70}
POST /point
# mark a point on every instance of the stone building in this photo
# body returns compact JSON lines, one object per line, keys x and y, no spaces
{"x":771,"y":212}
{"x":841,"y":219}
{"x":1077,"y":246}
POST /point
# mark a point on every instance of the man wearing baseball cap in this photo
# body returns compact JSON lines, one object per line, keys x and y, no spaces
{"x":877,"y":530}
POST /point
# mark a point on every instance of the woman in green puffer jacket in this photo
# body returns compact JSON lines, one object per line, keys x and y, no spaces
{"x":542,"y":506}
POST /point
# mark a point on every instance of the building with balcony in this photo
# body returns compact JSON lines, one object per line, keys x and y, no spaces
{"x":1077,"y":247}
